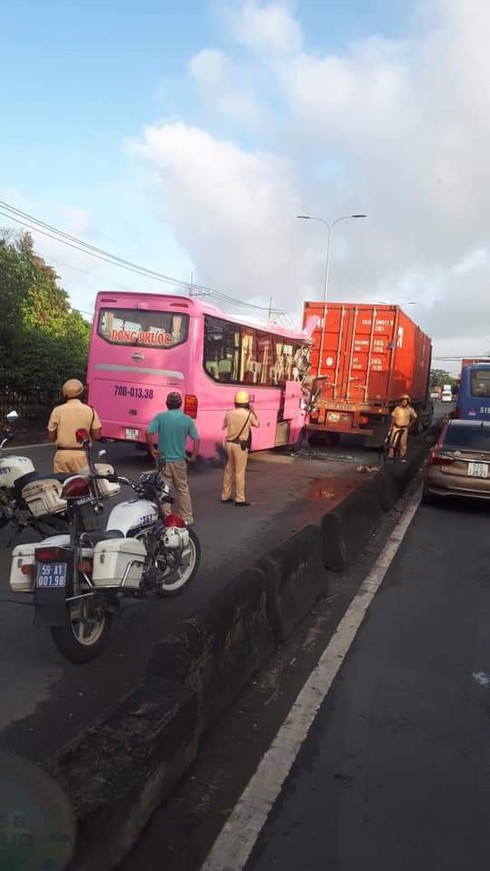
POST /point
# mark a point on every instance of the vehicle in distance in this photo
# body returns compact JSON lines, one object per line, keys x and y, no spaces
{"x":447,"y":393}
{"x":364,"y":357}
{"x":473,"y":401}
{"x":459,"y":464}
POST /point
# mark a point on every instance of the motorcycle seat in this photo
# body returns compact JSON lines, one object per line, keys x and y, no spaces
{"x":93,"y":538}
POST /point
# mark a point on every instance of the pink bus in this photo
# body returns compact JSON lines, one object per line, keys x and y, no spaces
{"x":144,"y":345}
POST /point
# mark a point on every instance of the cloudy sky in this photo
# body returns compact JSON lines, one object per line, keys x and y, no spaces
{"x":188,"y":136}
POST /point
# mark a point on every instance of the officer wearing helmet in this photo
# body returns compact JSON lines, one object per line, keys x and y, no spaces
{"x":63,"y":424}
{"x":173,"y":428}
{"x":237,"y":424}
{"x":402,"y":418}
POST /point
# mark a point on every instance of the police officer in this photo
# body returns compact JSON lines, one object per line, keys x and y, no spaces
{"x":173,"y":428}
{"x":63,"y":424}
{"x":237,"y":424}
{"x":402,"y":418}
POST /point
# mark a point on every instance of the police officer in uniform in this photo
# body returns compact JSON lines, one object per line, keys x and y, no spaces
{"x":402,"y":418}
{"x":237,"y":424}
{"x":63,"y":424}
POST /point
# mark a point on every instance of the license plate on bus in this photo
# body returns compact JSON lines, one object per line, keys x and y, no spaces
{"x":132,"y":434}
{"x":478,"y":470}
{"x":51,"y":575}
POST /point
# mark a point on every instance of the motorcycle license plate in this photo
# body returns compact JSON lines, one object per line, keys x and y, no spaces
{"x":51,"y":575}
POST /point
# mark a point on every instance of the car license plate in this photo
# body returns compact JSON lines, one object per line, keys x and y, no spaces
{"x":51,"y":575}
{"x":478,"y":470}
{"x":132,"y":434}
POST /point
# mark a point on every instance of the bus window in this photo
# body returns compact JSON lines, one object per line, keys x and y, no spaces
{"x":264,"y":354}
{"x":146,"y":329}
{"x":221,"y":349}
{"x":480,"y":383}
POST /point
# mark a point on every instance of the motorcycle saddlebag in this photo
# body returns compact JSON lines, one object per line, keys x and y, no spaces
{"x":44,"y":497}
{"x":118,"y":562}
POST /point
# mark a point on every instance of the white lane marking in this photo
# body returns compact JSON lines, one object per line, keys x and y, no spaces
{"x":236,"y":840}
{"x":482,"y":678}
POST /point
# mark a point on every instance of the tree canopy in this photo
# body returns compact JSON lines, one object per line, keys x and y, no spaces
{"x":439,"y":377}
{"x":43,"y":341}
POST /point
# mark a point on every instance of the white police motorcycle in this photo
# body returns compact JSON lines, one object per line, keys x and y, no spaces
{"x":27,"y":498}
{"x":77,"y":580}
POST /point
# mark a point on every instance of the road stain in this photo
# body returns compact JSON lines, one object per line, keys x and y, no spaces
{"x":332,"y":488}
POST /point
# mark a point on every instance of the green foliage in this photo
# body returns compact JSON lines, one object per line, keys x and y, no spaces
{"x":439,"y":377}
{"x":42,"y":341}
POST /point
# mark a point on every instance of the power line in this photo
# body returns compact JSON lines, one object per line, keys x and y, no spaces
{"x":45,"y":229}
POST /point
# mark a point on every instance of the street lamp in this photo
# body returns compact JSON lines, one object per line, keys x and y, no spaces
{"x":384,"y":302}
{"x":327,"y":265}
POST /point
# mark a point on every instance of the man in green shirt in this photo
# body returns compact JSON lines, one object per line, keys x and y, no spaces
{"x":173,"y":427}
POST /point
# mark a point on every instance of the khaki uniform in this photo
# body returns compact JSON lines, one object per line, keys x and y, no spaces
{"x":402,"y":416}
{"x":236,"y":463}
{"x":64,"y":421}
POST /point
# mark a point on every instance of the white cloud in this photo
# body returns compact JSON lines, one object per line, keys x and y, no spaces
{"x":231,"y":208}
{"x":268,"y":27}
{"x":399,"y":129}
{"x":221,"y":90}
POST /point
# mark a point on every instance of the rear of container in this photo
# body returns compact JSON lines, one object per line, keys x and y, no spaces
{"x":364,"y":357}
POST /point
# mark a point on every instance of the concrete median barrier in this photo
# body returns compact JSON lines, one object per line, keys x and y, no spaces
{"x":120,"y":771}
{"x":388,"y":490}
{"x":295,"y":577}
{"x":216,"y":652}
{"x":345,"y":529}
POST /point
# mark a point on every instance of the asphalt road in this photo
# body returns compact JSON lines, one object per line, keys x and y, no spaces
{"x":395,"y":772}
{"x":45,"y":700}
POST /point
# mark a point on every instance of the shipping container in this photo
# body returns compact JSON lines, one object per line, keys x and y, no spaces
{"x":364,"y":357}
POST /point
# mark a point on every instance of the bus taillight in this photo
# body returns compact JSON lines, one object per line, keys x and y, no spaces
{"x":190,"y":405}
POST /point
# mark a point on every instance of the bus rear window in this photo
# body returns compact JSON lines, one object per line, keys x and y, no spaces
{"x":480,"y":383}
{"x":144,"y":329}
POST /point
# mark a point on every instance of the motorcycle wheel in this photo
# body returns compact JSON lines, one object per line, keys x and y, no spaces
{"x":86,"y":631}
{"x":171,"y":583}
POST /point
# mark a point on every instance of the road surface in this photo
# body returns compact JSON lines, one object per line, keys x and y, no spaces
{"x":46,"y":700}
{"x":395,"y":772}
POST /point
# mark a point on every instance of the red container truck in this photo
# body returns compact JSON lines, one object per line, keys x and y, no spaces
{"x":364,"y":357}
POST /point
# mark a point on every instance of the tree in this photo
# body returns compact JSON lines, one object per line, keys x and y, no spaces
{"x":43,"y":341}
{"x":439,"y":377}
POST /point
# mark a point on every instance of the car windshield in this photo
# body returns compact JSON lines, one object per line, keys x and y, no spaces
{"x":474,"y":438}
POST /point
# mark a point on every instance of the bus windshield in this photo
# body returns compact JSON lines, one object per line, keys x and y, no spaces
{"x":144,"y":329}
{"x":480,"y":382}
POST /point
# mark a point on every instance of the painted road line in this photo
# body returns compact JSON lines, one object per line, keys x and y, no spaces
{"x":236,"y":840}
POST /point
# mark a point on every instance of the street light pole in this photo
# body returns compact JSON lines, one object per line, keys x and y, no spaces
{"x":327,"y":267}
